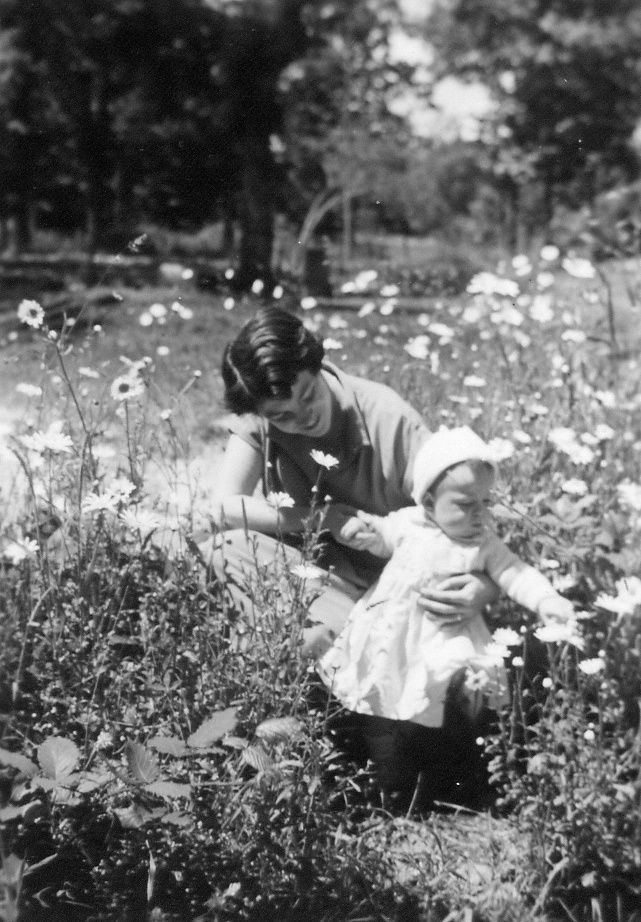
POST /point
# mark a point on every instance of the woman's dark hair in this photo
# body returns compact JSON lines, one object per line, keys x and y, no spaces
{"x":264,"y":359}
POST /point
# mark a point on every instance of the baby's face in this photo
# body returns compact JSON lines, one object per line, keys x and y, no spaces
{"x":461,"y":502}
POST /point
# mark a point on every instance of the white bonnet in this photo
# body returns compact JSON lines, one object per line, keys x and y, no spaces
{"x":443,"y":449}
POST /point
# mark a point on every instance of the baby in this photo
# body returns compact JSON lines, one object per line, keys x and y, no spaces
{"x":391,"y":659}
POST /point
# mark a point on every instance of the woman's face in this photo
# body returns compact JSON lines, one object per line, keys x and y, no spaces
{"x":307,"y":412}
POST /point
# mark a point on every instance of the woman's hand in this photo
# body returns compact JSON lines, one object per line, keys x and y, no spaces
{"x":458,"y":598}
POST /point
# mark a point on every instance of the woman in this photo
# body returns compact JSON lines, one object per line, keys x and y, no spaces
{"x":289,"y":402}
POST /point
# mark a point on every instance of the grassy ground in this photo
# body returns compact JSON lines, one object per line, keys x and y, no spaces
{"x":514,"y":379}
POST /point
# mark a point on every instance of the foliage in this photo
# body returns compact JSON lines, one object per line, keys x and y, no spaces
{"x":163,"y":749}
{"x":566,"y":82}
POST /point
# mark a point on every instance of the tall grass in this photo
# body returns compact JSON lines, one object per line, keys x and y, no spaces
{"x":165,"y":753}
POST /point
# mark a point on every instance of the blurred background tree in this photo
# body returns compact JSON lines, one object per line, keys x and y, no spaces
{"x":117,"y":115}
{"x":566,"y":78}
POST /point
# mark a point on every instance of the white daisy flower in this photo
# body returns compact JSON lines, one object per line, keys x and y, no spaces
{"x":578,"y":267}
{"x":280,"y":500}
{"x":308,"y":571}
{"x":31,"y":313}
{"x":143,"y":521}
{"x":592,"y":666}
{"x":507,"y":637}
{"x":549,"y":253}
{"x":560,"y":632}
{"x":29,"y":390}
{"x":17,"y":551}
{"x":127,"y":387}
{"x":325,"y":460}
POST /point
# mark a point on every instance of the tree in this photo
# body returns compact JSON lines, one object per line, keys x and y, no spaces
{"x":567,"y":78}
{"x":344,"y":142}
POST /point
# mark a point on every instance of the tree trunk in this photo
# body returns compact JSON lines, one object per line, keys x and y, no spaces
{"x":23,"y":223}
{"x":346,"y":205}
{"x":256,"y":219}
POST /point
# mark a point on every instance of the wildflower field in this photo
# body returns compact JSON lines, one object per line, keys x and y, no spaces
{"x":164,"y":755}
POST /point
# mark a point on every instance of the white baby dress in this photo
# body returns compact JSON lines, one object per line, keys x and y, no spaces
{"x":391,"y":659}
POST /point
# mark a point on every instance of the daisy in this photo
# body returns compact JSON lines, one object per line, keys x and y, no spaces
{"x":29,"y":390}
{"x":591,"y":666}
{"x":185,"y":313}
{"x":578,"y":268}
{"x":549,"y":253}
{"x":31,"y":313}
{"x":541,"y":309}
{"x":280,"y":500}
{"x":19,"y":550}
{"x":560,"y":632}
{"x":308,"y":571}
{"x":121,"y":488}
{"x":575,"y":487}
{"x":604,"y":432}
{"x":52,"y":439}
{"x":627,"y":599}
{"x":418,"y":347}
{"x":441,"y":330}
{"x":506,"y":637}
{"x":99,"y":502}
{"x":544,"y":280}
{"x":476,"y":680}
{"x":325,"y":460}
{"x":501,"y":449}
{"x":141,"y":520}
{"x":126,"y":387}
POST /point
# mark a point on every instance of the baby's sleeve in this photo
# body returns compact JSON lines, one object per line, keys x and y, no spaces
{"x":394,"y":526}
{"x":518,"y":580}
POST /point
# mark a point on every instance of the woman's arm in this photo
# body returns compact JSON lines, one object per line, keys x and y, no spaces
{"x":458,"y":598}
{"x":235,"y":506}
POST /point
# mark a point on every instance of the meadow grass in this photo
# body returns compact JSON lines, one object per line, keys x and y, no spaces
{"x":162,"y":755}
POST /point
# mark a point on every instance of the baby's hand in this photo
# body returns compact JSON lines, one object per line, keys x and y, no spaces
{"x":350,"y":529}
{"x":556,"y":608}
{"x":362,"y":533}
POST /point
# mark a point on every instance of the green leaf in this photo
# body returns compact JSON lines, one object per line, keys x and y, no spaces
{"x":176,"y":818}
{"x":91,"y":781}
{"x":168,"y":745}
{"x":16,"y":760}
{"x":58,"y":756}
{"x":134,"y":817}
{"x":169,"y":789}
{"x":279,"y":728}
{"x":257,"y":757}
{"x":235,"y":742}
{"x":213,"y":729}
{"x":142,"y":763}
